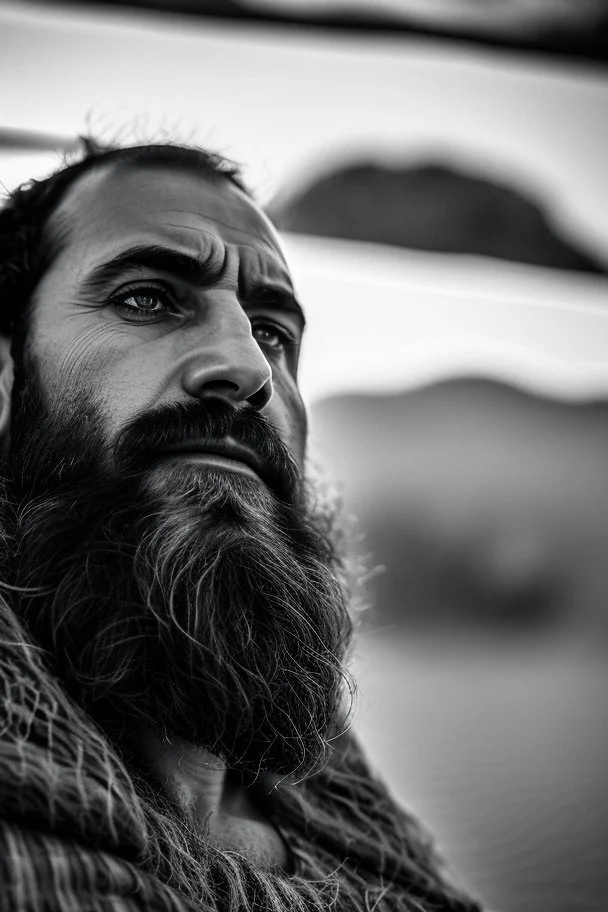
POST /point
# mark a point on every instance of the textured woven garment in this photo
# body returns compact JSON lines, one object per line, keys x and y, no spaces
{"x":80,"y":832}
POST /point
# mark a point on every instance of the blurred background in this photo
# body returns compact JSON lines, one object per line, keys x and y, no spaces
{"x":438,"y":173}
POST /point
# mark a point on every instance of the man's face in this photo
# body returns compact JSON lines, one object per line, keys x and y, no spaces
{"x":168,"y":288}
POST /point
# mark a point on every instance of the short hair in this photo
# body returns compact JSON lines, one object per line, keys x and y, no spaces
{"x":25,"y":254}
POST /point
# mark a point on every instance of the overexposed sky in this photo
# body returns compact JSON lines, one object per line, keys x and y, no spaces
{"x":283,"y":100}
{"x":382,"y":319}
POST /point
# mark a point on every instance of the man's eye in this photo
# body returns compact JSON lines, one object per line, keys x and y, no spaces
{"x":272,"y":336}
{"x":142,"y":305}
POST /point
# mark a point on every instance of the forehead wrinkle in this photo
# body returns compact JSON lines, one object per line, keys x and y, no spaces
{"x":267,"y":268}
{"x":240,"y":246}
{"x":213,"y":255}
{"x":210,"y":218}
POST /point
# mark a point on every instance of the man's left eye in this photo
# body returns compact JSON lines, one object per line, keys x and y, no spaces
{"x":272,"y":336}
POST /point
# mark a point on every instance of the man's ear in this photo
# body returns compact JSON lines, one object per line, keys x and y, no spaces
{"x":6,"y":386}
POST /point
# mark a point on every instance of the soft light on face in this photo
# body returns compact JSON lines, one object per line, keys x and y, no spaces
{"x":168,"y":287}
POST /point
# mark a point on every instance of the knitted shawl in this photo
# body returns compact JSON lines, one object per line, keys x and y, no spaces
{"x":80,"y":832}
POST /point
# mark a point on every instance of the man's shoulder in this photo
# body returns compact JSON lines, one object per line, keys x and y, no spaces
{"x":58,"y":773}
{"x":71,"y":832}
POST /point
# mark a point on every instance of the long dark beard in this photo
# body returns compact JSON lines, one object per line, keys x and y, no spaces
{"x":200,"y":603}
{"x":103,"y":608}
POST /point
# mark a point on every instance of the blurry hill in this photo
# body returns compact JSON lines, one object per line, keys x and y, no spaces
{"x":430,"y":206}
{"x":487,"y":505}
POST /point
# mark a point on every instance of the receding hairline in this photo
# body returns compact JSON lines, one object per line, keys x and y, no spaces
{"x":102,"y":170}
{"x":57,"y":228}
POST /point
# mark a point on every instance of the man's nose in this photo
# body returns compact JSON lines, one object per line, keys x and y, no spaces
{"x":229,"y":363}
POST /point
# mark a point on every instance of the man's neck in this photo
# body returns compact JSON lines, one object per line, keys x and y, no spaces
{"x":192,"y":777}
{"x":212,"y":796}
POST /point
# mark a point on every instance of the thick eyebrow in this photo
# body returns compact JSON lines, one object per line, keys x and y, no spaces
{"x":200,"y":272}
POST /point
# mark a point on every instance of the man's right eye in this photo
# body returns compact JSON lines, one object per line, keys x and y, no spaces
{"x":143,"y":304}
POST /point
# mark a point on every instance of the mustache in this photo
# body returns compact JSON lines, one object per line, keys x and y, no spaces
{"x":213,"y":419}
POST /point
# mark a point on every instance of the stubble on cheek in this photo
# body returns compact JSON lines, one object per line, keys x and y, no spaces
{"x":291,"y":419}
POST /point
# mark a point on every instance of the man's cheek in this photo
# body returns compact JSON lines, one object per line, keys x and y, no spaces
{"x":287,"y":412}
{"x":117,"y":393}
{"x":299,"y":432}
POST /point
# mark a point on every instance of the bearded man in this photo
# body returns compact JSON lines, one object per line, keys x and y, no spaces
{"x":175,"y":611}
